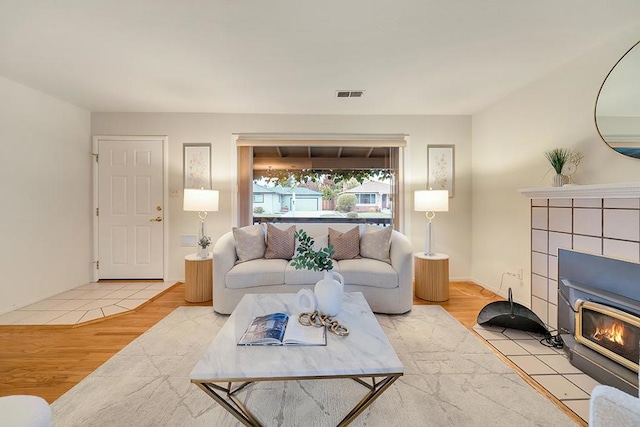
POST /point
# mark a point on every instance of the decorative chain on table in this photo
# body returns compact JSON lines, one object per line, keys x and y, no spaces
{"x":318,"y":320}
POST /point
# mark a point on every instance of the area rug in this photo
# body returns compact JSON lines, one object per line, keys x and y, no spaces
{"x":451,"y":379}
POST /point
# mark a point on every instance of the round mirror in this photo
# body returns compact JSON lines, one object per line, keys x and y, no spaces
{"x":618,"y":105}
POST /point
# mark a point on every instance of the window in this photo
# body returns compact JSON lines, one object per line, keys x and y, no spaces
{"x":307,"y":180}
{"x":258,"y":198}
{"x":366,"y":198}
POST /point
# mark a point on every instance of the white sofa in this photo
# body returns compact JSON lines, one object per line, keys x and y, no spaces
{"x":387,"y":287}
{"x":24,"y":411}
{"x":612,"y":407}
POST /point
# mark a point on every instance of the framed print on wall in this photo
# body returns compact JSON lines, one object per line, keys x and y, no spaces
{"x":440,"y":167}
{"x":197,"y":165}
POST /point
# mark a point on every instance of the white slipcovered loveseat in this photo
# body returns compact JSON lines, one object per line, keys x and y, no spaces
{"x":251,"y":260}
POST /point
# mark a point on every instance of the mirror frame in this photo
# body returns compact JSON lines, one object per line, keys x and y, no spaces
{"x":595,"y":109}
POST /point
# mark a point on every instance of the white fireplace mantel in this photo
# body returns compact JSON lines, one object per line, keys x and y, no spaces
{"x":591,"y":191}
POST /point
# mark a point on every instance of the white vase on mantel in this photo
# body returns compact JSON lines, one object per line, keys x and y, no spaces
{"x":329,"y":293}
{"x":558,"y":180}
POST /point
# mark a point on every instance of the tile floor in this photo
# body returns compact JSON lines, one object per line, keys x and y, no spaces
{"x":549,"y":367}
{"x":86,"y":303}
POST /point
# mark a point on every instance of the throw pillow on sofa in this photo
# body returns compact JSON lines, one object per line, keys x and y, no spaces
{"x":345,"y":245}
{"x":376,"y":243}
{"x":280,"y":243}
{"x":249,"y":242}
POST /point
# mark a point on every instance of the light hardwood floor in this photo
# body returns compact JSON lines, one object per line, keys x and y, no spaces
{"x":48,"y":360}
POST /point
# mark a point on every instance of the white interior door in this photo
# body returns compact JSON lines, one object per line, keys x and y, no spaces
{"x":130,"y":209}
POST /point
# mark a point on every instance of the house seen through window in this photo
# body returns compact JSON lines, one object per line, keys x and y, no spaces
{"x":313,"y":181}
{"x":323,"y":199}
{"x":318,"y":183}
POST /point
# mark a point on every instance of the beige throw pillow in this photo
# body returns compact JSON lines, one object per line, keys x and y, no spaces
{"x":376,"y":243}
{"x":249,"y":242}
{"x":345,"y":245}
{"x":280,"y":243}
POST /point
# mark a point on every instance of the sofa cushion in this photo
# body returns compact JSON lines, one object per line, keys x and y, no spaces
{"x":257,"y":272}
{"x":249,"y":242}
{"x":305,"y":277}
{"x":376,"y":243}
{"x":345,"y":245}
{"x":368,"y":272}
{"x":280,"y":243}
{"x":320,"y":240}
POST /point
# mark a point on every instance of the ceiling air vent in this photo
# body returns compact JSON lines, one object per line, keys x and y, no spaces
{"x":349,"y":93}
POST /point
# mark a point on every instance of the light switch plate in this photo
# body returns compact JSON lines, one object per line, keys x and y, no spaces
{"x":188,"y":240}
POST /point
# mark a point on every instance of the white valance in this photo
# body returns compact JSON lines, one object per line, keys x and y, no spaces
{"x":320,"y":139}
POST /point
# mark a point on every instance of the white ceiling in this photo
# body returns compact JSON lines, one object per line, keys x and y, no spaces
{"x":290,"y":56}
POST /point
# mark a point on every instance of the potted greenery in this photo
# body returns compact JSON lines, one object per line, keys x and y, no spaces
{"x":204,"y":243}
{"x":557,"y":157}
{"x":328,"y":291}
{"x":310,"y":259}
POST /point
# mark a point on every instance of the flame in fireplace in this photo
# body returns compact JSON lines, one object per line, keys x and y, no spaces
{"x":614,"y":333}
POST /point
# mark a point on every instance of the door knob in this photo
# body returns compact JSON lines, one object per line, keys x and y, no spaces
{"x":157,"y":219}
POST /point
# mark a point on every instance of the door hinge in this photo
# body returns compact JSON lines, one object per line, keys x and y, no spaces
{"x":96,"y":156}
{"x":97,"y":211}
{"x":97,"y":265}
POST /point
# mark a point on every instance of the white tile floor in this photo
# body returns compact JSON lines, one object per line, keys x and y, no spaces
{"x":549,"y":367}
{"x":86,"y":303}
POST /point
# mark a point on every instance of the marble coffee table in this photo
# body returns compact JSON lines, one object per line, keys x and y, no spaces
{"x":365,"y":355}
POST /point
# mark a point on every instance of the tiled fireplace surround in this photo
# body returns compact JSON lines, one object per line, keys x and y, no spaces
{"x":598,"y":219}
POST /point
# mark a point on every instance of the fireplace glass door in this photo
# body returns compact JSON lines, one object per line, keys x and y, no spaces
{"x":610,"y":331}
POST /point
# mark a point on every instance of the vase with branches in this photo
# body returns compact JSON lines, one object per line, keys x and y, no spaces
{"x":558,"y":158}
{"x":328,"y":291}
{"x":203,"y":244}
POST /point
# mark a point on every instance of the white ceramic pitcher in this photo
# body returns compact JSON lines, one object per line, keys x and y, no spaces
{"x":329,"y":293}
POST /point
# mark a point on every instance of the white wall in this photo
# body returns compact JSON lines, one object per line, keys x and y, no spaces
{"x":45,"y":176}
{"x":509,"y":141}
{"x":453,"y":228}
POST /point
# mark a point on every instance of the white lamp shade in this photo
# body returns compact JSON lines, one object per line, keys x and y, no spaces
{"x":431,"y":201}
{"x":200,"y":200}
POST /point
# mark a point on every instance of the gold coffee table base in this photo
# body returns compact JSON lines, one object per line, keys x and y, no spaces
{"x":225,"y":396}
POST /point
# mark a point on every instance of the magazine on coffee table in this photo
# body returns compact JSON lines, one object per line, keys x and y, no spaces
{"x":280,"y":329}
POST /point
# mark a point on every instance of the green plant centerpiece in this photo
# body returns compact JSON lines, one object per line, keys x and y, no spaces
{"x":328,"y":291}
{"x":310,"y":259}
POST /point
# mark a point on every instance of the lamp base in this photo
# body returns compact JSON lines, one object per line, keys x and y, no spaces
{"x":427,"y":243}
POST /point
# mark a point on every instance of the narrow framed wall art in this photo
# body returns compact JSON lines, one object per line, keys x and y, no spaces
{"x":197,"y":165}
{"x":441,"y":167}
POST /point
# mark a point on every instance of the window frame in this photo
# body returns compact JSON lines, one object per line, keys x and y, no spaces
{"x":246,"y":141}
{"x":370,"y":203}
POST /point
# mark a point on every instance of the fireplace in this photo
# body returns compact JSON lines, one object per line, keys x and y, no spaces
{"x":607,"y":330}
{"x":599,"y":316}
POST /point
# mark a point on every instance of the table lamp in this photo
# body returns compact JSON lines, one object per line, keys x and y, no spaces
{"x":430,"y":201}
{"x":201,"y":201}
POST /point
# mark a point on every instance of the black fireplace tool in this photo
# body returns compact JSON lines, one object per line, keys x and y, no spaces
{"x":509,"y":314}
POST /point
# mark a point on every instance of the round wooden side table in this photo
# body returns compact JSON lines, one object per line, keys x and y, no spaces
{"x":198,"y":281}
{"x":432,"y":276}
